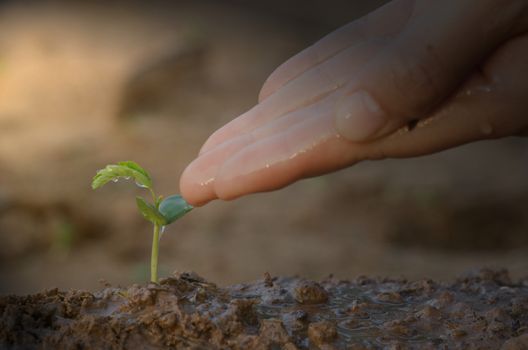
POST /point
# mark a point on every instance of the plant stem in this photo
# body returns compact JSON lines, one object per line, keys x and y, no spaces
{"x":154,"y":198}
{"x":154,"y":255}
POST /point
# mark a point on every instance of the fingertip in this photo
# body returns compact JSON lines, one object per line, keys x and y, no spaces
{"x":194,"y":187}
{"x":198,"y":180}
{"x":198,"y":204}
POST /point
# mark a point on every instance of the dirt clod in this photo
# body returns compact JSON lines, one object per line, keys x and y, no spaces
{"x":321,"y":332}
{"x":309,"y":292}
{"x":273,"y":330}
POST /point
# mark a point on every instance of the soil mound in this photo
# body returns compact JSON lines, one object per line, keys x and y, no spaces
{"x":483,"y":310}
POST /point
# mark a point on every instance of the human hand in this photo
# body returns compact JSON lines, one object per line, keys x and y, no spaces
{"x":411,"y":78}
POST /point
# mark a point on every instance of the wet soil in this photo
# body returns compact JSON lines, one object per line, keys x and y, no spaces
{"x":483,"y":310}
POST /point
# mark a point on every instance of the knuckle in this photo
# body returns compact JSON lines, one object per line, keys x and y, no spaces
{"x":416,"y":82}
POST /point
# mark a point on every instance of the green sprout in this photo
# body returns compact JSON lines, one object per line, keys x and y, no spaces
{"x":162,"y":212}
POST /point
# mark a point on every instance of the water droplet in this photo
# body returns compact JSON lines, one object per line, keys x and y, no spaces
{"x":207,"y":182}
{"x":140,"y":185}
{"x":115,"y":180}
{"x":162,"y":231}
{"x":479,"y":89}
{"x":127,"y":177}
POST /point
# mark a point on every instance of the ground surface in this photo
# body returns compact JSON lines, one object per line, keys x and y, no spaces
{"x":83,"y":84}
{"x":484,"y":310}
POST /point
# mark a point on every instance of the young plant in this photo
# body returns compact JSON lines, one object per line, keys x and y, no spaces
{"x":162,"y":212}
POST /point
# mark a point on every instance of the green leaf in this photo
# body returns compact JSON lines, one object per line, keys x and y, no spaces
{"x":135,"y":166}
{"x":174,"y":207}
{"x":126,"y":170}
{"x":150,"y":212}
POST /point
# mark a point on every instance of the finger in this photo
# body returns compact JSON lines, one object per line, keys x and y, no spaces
{"x":422,"y":67}
{"x":280,"y":159}
{"x":197,"y":181}
{"x":385,"y":21}
{"x":488,"y":106}
{"x":307,"y":89}
{"x":340,"y":54}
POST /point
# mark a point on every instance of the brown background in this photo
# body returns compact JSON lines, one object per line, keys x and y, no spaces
{"x":83,"y":84}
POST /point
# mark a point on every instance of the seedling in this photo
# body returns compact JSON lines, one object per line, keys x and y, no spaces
{"x":162,"y":212}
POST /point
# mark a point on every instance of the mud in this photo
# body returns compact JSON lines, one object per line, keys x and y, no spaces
{"x":483,"y":310}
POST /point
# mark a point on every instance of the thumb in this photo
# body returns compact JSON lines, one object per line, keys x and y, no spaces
{"x":440,"y":46}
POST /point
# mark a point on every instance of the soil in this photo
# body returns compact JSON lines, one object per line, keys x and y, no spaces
{"x":484,"y":310}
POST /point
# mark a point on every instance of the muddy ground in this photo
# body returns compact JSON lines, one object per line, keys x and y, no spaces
{"x":83,"y":84}
{"x":483,"y":310}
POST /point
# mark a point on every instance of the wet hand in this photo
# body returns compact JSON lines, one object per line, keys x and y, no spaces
{"x":411,"y":78}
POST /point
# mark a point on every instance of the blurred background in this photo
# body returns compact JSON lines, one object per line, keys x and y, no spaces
{"x":83,"y":84}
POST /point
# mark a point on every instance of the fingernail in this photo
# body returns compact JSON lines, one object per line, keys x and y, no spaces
{"x":358,"y":116}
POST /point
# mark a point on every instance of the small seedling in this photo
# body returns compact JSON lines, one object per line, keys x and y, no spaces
{"x":162,"y":212}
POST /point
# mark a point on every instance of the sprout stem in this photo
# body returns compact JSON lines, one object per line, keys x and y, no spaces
{"x":154,"y":255}
{"x":154,"y":198}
